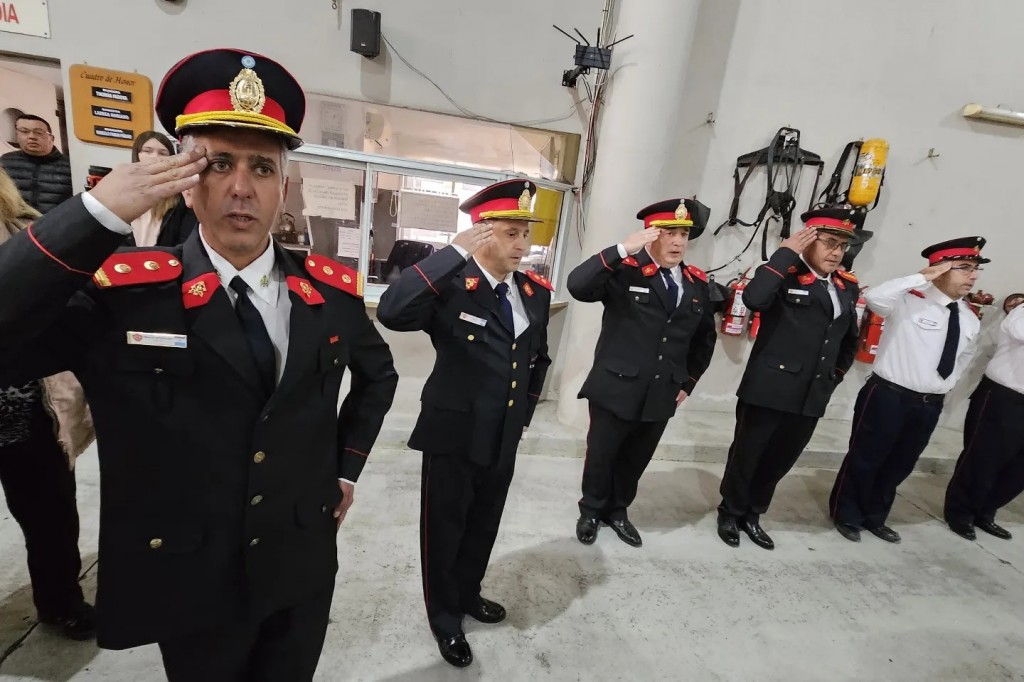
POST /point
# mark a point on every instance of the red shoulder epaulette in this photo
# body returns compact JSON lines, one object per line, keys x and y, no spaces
{"x":543,"y":281}
{"x":334,"y":274}
{"x":848,"y":276}
{"x":698,"y":273}
{"x":128,"y":268}
{"x":630,"y":261}
{"x":917,"y":293}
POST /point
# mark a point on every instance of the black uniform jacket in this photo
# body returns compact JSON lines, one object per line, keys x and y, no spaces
{"x":485,"y":384}
{"x":215,"y":503}
{"x":801,"y":352}
{"x":645,"y":354}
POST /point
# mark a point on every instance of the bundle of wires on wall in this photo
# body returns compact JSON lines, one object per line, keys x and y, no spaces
{"x":784,"y":161}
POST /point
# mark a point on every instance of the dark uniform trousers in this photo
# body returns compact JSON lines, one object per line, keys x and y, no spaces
{"x":891,"y":428}
{"x":766,"y":445}
{"x":990,"y":471}
{"x":804,"y":348}
{"x":653,"y":344}
{"x":40,"y":490}
{"x":481,"y":393}
{"x":462,"y":503}
{"x":217,"y":539}
{"x":618,"y":452}
{"x":281,"y":647}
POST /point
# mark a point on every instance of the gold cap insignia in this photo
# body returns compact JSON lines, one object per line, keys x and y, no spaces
{"x":977,"y":249}
{"x":524,"y":200}
{"x":682,"y":213}
{"x":247,"y":93}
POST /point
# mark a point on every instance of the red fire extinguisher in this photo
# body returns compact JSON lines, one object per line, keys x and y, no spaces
{"x":861,"y":306}
{"x":870,"y":334}
{"x":735,"y":318}
{"x":755,"y":326}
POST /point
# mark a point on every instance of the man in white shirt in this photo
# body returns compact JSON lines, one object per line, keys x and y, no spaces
{"x":930,"y":337}
{"x":990,"y":471}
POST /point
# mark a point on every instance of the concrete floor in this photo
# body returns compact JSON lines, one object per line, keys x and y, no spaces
{"x":684,"y":607}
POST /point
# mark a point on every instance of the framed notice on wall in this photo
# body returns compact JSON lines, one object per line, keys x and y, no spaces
{"x":28,"y":17}
{"x":110,"y":107}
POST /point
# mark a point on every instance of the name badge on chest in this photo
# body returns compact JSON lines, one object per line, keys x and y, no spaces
{"x":473,"y":319}
{"x":157,"y":339}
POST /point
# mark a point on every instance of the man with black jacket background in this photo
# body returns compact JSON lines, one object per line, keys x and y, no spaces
{"x":806,"y":343}
{"x":657,"y":338}
{"x":41,"y":172}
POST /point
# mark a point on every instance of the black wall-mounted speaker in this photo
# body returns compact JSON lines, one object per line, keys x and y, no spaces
{"x":366,"y":32}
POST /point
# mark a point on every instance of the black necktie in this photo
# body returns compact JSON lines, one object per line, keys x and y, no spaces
{"x":673,"y":288}
{"x":505,"y":305}
{"x":948,"y":358}
{"x":256,"y":333}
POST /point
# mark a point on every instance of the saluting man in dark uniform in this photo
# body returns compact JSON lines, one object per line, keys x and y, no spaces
{"x":213,"y":371}
{"x":930,"y":336}
{"x":657,"y":338}
{"x":990,"y":472}
{"x":806,"y":343}
{"x":488,"y":324}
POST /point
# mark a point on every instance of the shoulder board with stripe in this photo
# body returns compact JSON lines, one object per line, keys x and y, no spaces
{"x":132,"y":268}
{"x":334,"y":274}
{"x":543,"y":281}
{"x":697,"y":272}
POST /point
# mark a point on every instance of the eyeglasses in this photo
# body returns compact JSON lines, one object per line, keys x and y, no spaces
{"x":968,"y":269}
{"x":35,"y":132}
{"x":835,"y":245}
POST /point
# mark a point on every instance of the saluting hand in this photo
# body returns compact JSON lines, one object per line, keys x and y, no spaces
{"x":934,"y":271}
{"x":801,"y":240}
{"x":131,"y":189}
{"x":348,"y":496}
{"x":635,"y":242}
{"x":474,"y":238}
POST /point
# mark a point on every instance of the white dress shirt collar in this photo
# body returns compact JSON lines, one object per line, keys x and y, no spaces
{"x":492,"y":280}
{"x":261,"y":274}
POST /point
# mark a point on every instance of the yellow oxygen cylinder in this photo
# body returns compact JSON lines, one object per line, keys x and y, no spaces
{"x":867,"y":173}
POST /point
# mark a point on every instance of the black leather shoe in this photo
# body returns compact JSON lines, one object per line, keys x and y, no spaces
{"x":79,"y":624}
{"x":756,"y":534}
{"x":455,"y":650}
{"x":485,"y":611}
{"x":586,"y":529}
{"x":993,"y":528}
{"x":851,"y":533}
{"x":886,"y":533}
{"x":964,"y":530}
{"x":729,"y":531}
{"x":626,"y":531}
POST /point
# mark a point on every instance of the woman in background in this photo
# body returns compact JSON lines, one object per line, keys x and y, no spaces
{"x":171,"y":222}
{"x":44,"y":426}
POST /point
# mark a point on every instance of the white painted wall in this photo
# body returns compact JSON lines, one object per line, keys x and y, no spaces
{"x":839,"y":72}
{"x":503,"y":61}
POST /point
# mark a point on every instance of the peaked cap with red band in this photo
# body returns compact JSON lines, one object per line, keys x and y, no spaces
{"x":964,"y":248}
{"x":507,"y":200}
{"x":676,"y":213}
{"x":232,"y":88}
{"x":845,"y":222}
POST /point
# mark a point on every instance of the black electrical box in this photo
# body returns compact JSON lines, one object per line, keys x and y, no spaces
{"x":366,"y":32}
